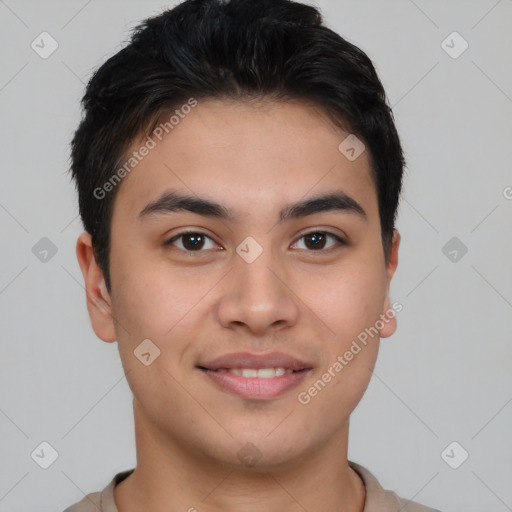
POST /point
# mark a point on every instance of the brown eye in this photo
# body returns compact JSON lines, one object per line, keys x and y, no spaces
{"x":317,"y":240}
{"x":191,"y":241}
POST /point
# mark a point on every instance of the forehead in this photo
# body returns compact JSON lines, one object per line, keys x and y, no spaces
{"x":247,"y":155}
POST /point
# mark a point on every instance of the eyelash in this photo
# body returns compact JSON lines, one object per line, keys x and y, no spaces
{"x":337,"y":238}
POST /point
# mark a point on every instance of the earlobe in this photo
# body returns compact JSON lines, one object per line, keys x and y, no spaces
{"x":98,"y":298}
{"x":388,"y":313}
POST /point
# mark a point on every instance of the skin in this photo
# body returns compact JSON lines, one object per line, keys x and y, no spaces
{"x":195,"y":306}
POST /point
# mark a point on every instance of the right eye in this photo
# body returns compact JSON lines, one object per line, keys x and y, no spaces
{"x":191,"y":241}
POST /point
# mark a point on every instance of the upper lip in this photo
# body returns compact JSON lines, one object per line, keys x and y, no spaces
{"x":256,"y":361}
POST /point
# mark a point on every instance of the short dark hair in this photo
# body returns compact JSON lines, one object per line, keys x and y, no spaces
{"x":242,"y":50}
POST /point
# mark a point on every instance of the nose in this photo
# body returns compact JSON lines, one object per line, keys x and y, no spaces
{"x":257,"y":297}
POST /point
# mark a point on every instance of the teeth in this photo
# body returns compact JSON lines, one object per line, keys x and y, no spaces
{"x":262,"y":373}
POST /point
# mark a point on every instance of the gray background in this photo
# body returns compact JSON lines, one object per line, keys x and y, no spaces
{"x":443,"y":377}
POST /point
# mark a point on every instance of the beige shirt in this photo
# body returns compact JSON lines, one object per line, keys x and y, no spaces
{"x":377,"y":499}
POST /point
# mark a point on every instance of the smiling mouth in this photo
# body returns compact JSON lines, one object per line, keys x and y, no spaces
{"x":255,"y":383}
{"x":255,"y":376}
{"x":258,"y":373}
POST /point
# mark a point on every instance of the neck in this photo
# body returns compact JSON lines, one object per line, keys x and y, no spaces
{"x":170,"y":477}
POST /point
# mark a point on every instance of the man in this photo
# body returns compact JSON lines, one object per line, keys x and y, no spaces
{"x":239,"y":173}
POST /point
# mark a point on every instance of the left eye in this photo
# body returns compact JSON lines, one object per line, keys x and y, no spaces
{"x":316,"y":240}
{"x":195,"y":242}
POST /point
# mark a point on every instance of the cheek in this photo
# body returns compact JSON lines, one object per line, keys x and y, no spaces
{"x":146,"y":296}
{"x":350,"y":306}
{"x":347,"y":301}
{"x":151,"y":300}
{"x":145,"y":307}
{"x":151,"y":323}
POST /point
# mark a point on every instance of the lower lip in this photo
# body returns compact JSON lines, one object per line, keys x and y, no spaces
{"x":255,"y":388}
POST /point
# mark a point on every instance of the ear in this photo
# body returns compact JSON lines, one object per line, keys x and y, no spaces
{"x":390,"y":322}
{"x":98,"y":299}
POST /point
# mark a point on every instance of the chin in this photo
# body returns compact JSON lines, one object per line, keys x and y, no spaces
{"x":262,"y":449}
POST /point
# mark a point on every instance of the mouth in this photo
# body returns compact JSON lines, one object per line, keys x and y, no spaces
{"x":256,"y":377}
{"x":259,"y":373}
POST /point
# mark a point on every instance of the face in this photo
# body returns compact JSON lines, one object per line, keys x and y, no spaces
{"x":247,"y":275}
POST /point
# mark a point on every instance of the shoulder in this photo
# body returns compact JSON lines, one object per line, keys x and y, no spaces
{"x":102,"y":501}
{"x":89,"y":503}
{"x":382,"y":500}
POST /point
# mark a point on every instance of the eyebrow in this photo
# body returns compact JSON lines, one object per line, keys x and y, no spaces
{"x":171,"y":202}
